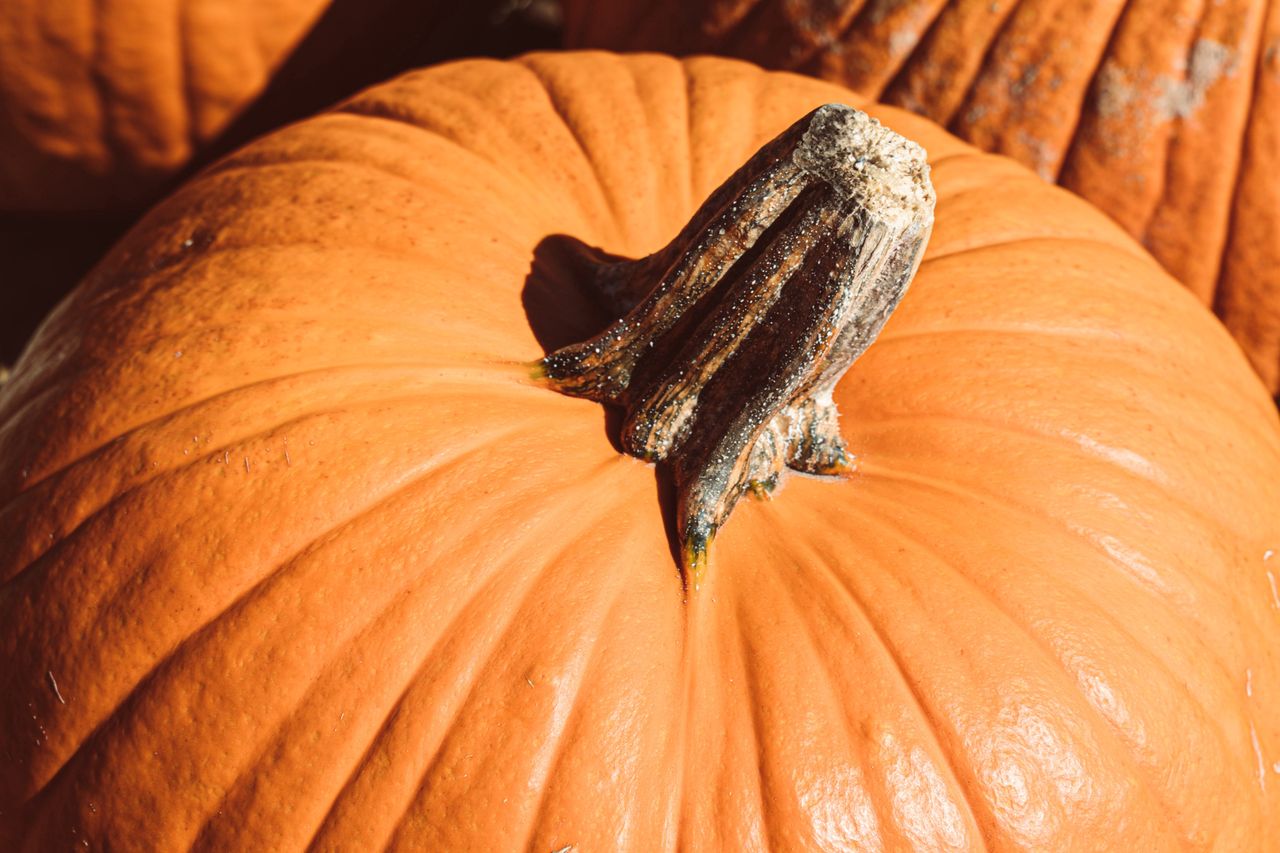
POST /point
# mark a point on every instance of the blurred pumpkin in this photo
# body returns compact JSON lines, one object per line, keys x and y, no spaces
{"x":298,"y":554}
{"x":1165,"y":115}
{"x":101,"y":105}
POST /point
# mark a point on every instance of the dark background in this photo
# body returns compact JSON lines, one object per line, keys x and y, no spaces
{"x":43,"y":256}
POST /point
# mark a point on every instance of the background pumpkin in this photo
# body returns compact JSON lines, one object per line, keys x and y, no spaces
{"x":300,"y":554}
{"x":1165,"y":115}
{"x":102,"y":104}
{"x":102,"y":108}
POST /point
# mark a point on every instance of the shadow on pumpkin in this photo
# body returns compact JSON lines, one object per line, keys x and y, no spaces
{"x":354,"y":44}
{"x":563,"y":309}
{"x":351,"y":44}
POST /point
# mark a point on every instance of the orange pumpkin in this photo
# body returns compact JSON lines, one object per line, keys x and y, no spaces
{"x":297,"y":552}
{"x":1165,"y":115}
{"x":102,"y":104}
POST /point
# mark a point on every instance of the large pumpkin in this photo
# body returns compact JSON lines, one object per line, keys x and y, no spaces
{"x":101,"y":104}
{"x":296,"y":552}
{"x":1165,"y":115}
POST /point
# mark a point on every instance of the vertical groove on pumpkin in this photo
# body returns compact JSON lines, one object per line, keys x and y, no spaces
{"x":911,"y":81}
{"x":399,"y":720}
{"x":933,"y":482}
{"x":822,"y":566}
{"x":423,"y":788}
{"x":590,"y":670}
{"x":409,"y":595}
{"x":872,"y":40}
{"x":1241,"y":296}
{"x":1104,"y":727}
{"x":962,"y":105}
{"x":755,"y":704}
{"x":102,"y":729}
{"x":1170,"y":193}
{"x":571,"y":127}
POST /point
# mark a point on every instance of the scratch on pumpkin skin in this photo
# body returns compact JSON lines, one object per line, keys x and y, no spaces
{"x":53,"y":682}
{"x":1257,"y":751}
{"x":737,"y":332}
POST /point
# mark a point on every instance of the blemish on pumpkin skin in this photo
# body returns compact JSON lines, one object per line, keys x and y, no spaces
{"x":1025,"y":80}
{"x":1178,"y":95}
{"x":975,"y":114}
{"x":53,"y":682}
{"x":1209,"y":62}
{"x":902,"y":42}
{"x":1113,"y":92}
{"x":1042,"y":157}
{"x":1271,"y":58}
{"x":881,"y":9}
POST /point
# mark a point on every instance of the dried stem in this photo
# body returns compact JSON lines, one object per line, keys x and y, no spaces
{"x":733,"y":337}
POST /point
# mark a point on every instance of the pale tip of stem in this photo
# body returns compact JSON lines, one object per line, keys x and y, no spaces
{"x":696,"y":556}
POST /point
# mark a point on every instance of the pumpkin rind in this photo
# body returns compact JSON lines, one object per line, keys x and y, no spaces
{"x":103,"y":104}
{"x":310,"y":559}
{"x":100,"y":104}
{"x":1160,"y":113}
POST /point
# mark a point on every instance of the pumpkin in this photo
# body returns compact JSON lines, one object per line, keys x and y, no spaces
{"x":101,"y":105}
{"x":1165,"y":115}
{"x":299,"y":552}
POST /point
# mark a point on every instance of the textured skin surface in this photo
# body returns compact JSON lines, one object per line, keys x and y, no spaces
{"x":103,"y":104}
{"x":296,"y":553}
{"x":1161,"y":112}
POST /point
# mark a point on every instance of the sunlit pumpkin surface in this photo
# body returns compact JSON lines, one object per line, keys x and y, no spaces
{"x":1163,"y":113}
{"x":295,"y":552}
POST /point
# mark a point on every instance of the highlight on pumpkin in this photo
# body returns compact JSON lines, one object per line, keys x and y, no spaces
{"x":738,"y":331}
{"x":1163,"y":115}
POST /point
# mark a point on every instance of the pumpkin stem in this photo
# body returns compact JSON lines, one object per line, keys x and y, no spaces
{"x":733,"y":337}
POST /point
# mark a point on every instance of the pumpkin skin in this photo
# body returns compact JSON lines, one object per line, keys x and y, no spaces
{"x":311,"y":560}
{"x":101,"y":105}
{"x":98,"y":106}
{"x":1165,"y":115}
